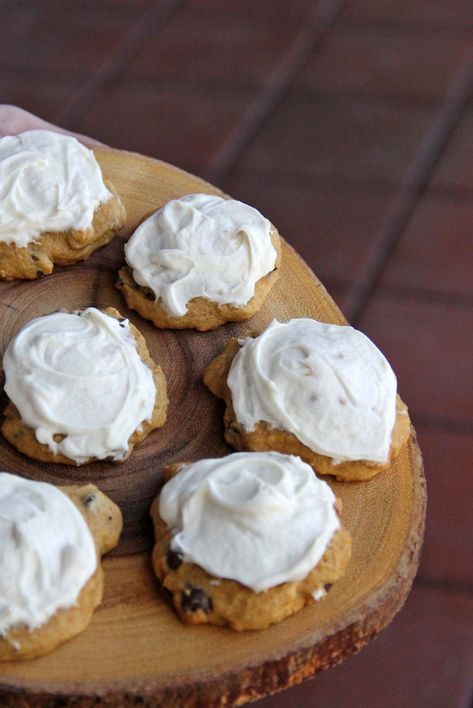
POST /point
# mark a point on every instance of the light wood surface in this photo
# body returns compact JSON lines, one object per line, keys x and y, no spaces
{"x":135,"y":649}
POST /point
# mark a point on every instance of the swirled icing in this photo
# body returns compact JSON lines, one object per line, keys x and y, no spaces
{"x":48,"y":553}
{"x":201,"y":246}
{"x":260,"y":518}
{"x":48,"y":182}
{"x":79,"y":375}
{"x":328,"y":385}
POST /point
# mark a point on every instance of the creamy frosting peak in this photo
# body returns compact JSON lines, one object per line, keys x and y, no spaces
{"x":328,"y":385}
{"x":47,"y":552}
{"x":260,"y":518}
{"x":201,"y":246}
{"x":79,"y":376}
{"x":48,"y":182}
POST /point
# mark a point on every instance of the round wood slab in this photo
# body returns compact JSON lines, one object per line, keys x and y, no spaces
{"x":135,"y":649}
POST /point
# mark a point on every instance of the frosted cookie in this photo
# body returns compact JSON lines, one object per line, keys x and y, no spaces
{"x":55,"y":207}
{"x":51,"y":580}
{"x":199,"y":262}
{"x":317,"y":390}
{"x":246,"y":540}
{"x":82,"y":387}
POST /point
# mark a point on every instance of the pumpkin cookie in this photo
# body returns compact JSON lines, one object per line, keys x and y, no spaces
{"x":82,"y":387}
{"x":320,"y":391}
{"x":246,"y":540}
{"x":55,"y":207}
{"x":199,"y":262}
{"x":51,"y":580}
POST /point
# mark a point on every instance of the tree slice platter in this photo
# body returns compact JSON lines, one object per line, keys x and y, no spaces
{"x":136,"y":650}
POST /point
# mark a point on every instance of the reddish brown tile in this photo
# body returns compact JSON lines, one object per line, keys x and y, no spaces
{"x":423,"y":660}
{"x":184,"y":126}
{"x":221,"y":42}
{"x":455,"y":170}
{"x":65,"y":37}
{"x":435,"y":253}
{"x":338,"y":137}
{"x":44,"y":95}
{"x":274,"y":13}
{"x":332,"y":229}
{"x":456,"y":15}
{"x":385,"y":62}
{"x":429,"y":347}
{"x":448,"y":458}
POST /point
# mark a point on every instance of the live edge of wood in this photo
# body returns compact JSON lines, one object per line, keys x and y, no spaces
{"x":386,"y":515}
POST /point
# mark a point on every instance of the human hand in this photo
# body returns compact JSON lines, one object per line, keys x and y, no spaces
{"x":16,"y":120}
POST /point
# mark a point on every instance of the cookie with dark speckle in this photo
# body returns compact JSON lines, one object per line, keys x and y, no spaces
{"x":23,"y":438}
{"x":63,"y":248}
{"x":200,"y":598}
{"x":202,"y":314}
{"x":265,"y":437}
{"x":104,"y":520}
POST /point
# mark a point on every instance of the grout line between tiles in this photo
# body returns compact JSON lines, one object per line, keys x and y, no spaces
{"x":432,"y":297}
{"x":294,"y":59}
{"x":454,"y":587}
{"x":448,"y":425}
{"x":332,"y":182}
{"x":147,"y":26}
{"x":413,"y":184}
{"x":467,"y":701}
{"x":405,"y":25}
{"x":394,"y":100}
{"x":453,"y":193}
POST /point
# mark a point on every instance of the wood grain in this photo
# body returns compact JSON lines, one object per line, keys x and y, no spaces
{"x":135,"y":649}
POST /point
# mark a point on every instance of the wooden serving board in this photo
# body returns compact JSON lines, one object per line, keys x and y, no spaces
{"x":135,"y":649}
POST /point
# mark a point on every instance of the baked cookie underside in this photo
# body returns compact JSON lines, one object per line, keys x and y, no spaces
{"x":264,"y":437}
{"x":105,"y":523}
{"x":202,"y":314}
{"x":64,"y":248}
{"x":23,"y":438}
{"x":200,"y":598}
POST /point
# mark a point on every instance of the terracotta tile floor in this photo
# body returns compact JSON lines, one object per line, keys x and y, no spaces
{"x":350,"y":125}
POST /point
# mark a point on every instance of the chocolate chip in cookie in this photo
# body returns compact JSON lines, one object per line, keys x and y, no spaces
{"x":193,"y":599}
{"x":174,"y":558}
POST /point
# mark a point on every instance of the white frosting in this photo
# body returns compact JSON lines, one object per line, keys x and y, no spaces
{"x":48,"y":182}
{"x":47,"y":552}
{"x":80,"y":375}
{"x":201,"y":246}
{"x":260,"y":518}
{"x":328,"y":385}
